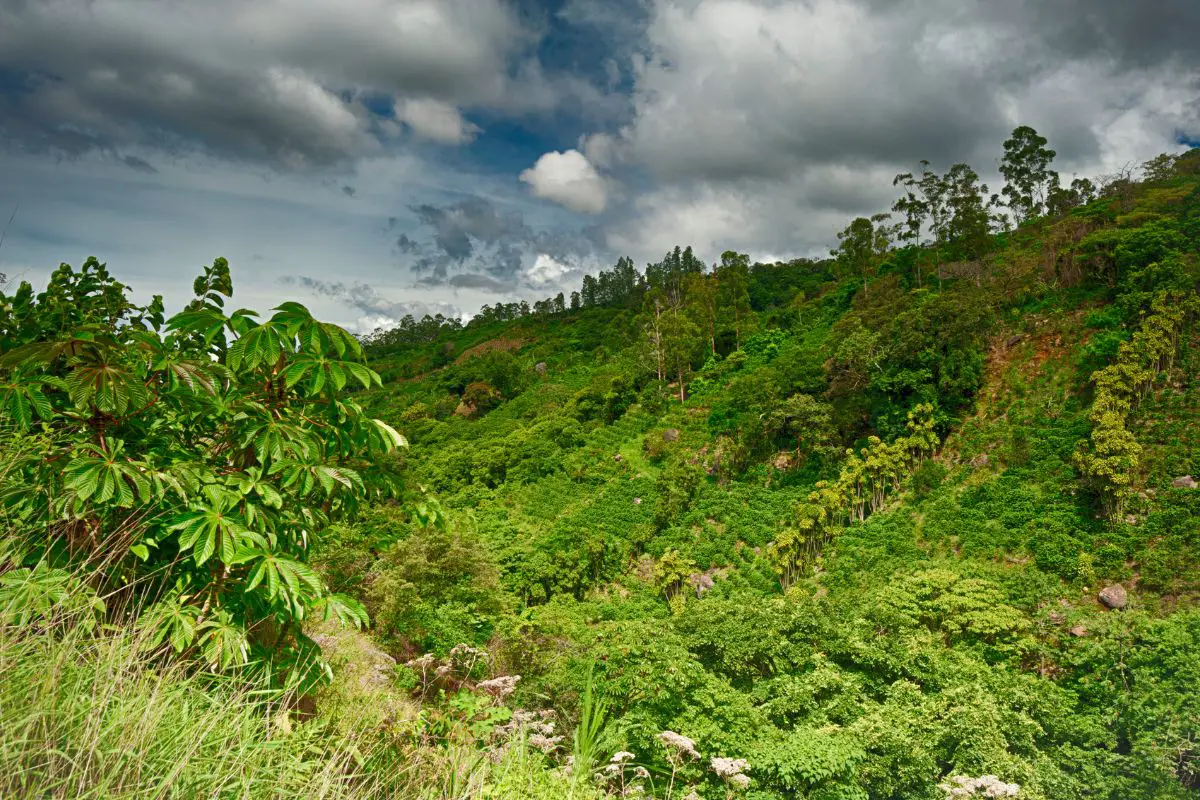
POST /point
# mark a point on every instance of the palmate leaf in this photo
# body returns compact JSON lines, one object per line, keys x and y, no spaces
{"x":19,"y":402}
{"x":109,"y":387}
{"x":172,"y":621}
{"x":205,"y":322}
{"x":213,"y":531}
{"x":108,"y":477}
{"x":388,"y":436}
{"x":223,"y":642}
{"x":28,"y":595}
{"x":294,"y":581}
{"x":344,"y":608}
{"x":260,"y":345}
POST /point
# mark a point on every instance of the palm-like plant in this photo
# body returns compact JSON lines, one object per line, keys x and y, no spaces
{"x":217,"y":445}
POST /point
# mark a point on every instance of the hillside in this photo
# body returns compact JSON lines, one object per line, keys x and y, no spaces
{"x":919,"y":520}
{"x":958,"y":629}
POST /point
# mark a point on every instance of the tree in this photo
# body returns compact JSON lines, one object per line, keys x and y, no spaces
{"x":863,"y":244}
{"x":1159,"y":168}
{"x":700,"y":294}
{"x":1027,"y":174}
{"x":1061,"y":200}
{"x":923,"y":205}
{"x":681,"y":342}
{"x":807,"y":421}
{"x":968,"y":229}
{"x":733,"y":281}
{"x":194,"y":458}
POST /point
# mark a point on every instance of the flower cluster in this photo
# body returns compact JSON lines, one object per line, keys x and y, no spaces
{"x":983,"y":786}
{"x":616,"y":775}
{"x":455,"y":669}
{"x":678,"y":745}
{"x":500,"y":687}
{"x":732,"y":771}
{"x":538,"y":725}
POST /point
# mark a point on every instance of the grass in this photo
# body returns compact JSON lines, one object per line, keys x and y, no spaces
{"x":89,"y":716}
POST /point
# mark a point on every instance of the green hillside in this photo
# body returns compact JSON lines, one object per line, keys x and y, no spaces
{"x":882,"y":525}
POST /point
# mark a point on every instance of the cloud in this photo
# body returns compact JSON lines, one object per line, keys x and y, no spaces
{"x":292,"y":82}
{"x":484,"y":282}
{"x":568,"y":179}
{"x":376,"y":310}
{"x":138,"y":164}
{"x":756,"y":125}
{"x":478,"y":244}
{"x":547,"y":272}
{"x":436,"y":121}
{"x":765,"y":125}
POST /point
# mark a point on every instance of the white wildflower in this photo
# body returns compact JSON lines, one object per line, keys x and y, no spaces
{"x":728,"y":767}
{"x":961,"y":786}
{"x":740,"y":781}
{"x":424,"y":662}
{"x":546,"y":744}
{"x":501,"y":687}
{"x":621,"y":756}
{"x":679,"y":743}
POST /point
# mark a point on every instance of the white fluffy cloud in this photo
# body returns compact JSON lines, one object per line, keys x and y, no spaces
{"x":546,"y":271}
{"x":568,"y":179}
{"x":435,"y":120}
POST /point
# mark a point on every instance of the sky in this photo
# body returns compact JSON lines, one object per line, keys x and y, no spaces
{"x":374,"y":158}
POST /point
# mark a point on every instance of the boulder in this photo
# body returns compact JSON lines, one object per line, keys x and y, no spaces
{"x":1184,"y":482}
{"x":1014,"y":340}
{"x":671,"y":435}
{"x":1079,"y":630}
{"x":540,"y":368}
{"x":1114,"y":596}
{"x":701,"y":581}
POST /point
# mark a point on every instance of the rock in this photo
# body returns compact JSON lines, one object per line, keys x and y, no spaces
{"x":637,"y":501}
{"x":464,"y":410}
{"x":359,"y":659}
{"x":1057,"y":618}
{"x":617,"y":458}
{"x":1114,"y":596}
{"x":1184,"y":482}
{"x":702,"y":582}
{"x":540,"y":368}
{"x":671,"y":435}
{"x":1020,"y":337}
{"x":1079,"y":630}
{"x":980,"y":460}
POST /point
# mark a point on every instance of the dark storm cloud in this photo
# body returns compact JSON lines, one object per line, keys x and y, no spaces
{"x":765,"y":124}
{"x":139,"y":165}
{"x":367,"y":300}
{"x":295,"y":83}
{"x":757,"y":125}
{"x":475,"y":244}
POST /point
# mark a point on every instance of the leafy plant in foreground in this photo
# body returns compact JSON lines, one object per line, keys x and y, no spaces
{"x":186,"y":462}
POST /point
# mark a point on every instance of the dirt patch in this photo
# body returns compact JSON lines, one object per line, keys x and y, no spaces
{"x":491,"y":344}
